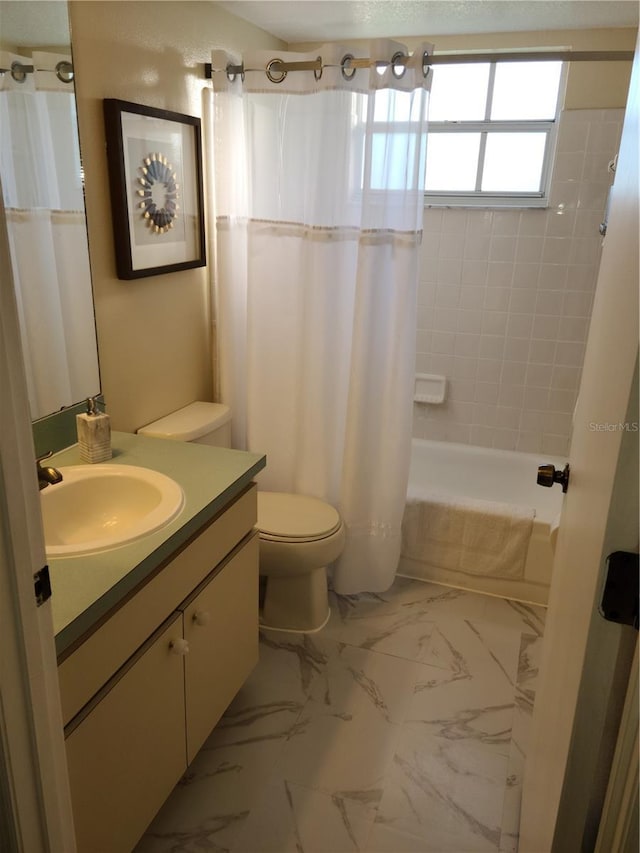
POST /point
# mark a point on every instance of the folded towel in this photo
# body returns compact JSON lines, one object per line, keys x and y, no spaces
{"x":466,"y":535}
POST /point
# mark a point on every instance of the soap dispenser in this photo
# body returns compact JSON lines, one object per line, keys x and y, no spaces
{"x":94,"y":434}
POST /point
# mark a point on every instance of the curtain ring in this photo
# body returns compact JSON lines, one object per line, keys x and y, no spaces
{"x":18,"y":72}
{"x":394,"y":67}
{"x":273,"y":75}
{"x":345,"y":66}
{"x":64,"y":71}
{"x":232,"y":74}
{"x":317,"y":72}
{"x":426,"y":64}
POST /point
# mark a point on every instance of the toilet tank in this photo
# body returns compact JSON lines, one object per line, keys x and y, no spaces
{"x":202,"y":423}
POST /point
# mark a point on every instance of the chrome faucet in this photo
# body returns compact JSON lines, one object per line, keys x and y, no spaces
{"x":47,"y":475}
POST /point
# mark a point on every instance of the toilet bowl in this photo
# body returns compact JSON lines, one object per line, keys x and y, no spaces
{"x":299,"y":535}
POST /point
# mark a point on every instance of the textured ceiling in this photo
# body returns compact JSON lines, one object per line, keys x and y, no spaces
{"x":35,"y":23}
{"x":317,"y":20}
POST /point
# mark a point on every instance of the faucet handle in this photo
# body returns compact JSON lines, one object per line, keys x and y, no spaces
{"x":44,"y":456}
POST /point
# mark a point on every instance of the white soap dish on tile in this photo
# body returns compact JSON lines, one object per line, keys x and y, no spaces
{"x":429,"y":388}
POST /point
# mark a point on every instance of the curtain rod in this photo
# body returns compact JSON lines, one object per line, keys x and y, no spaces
{"x":316,"y":65}
{"x":19,"y":71}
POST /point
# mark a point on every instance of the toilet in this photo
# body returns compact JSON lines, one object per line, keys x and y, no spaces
{"x":299,"y":535}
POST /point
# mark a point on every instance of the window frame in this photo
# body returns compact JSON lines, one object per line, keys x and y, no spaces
{"x":493,"y":199}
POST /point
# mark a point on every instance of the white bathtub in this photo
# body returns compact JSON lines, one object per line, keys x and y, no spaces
{"x":465,"y":471}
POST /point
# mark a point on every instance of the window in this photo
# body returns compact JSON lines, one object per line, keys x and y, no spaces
{"x":492,"y":129}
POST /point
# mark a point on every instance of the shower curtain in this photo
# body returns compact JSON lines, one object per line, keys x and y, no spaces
{"x":317,"y":181}
{"x":44,"y":203}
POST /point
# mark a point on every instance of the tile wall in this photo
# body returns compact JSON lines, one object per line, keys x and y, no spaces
{"x":505,"y":300}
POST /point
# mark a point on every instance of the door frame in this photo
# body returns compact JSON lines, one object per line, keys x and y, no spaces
{"x":33,"y":778}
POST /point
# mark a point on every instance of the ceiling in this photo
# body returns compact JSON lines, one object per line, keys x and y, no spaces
{"x":320,"y":20}
{"x":36,"y":23}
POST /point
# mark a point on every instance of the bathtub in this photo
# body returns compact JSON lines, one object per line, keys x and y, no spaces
{"x":463,"y":471}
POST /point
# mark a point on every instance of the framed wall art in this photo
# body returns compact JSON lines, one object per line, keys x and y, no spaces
{"x":155,"y":178}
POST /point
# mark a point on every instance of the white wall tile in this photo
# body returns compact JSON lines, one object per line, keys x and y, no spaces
{"x":529,"y":249}
{"x":526,"y":276}
{"x":565,"y":377}
{"x":555,"y":445}
{"x":447,"y":296}
{"x":497,"y":298}
{"x":451,"y":246}
{"x":539,"y":375}
{"x":514,"y":372}
{"x":443,"y":342}
{"x":500,"y":274}
{"x":502,"y":248}
{"x":449,"y":270}
{"x":494,"y":322}
{"x":533,"y":223}
{"x":505,"y":439}
{"x":491,"y":346}
{"x":487,"y":392}
{"x":561,"y":223}
{"x":519,"y":325}
{"x":479,"y":221}
{"x":467,"y":345}
{"x":470,"y":321}
{"x":552,"y":277}
{"x":482,"y":436}
{"x":489,"y":370}
{"x":516,"y":349}
{"x":454,"y":220}
{"x":505,"y":299}
{"x":474,"y":273}
{"x":506,"y":222}
{"x":472,"y":297}
{"x":507,"y":418}
{"x":476,"y":247}
{"x":541,"y":351}
{"x":557,"y":250}
{"x":570,"y":354}
{"x":465,"y":368}
{"x":523,"y":301}
{"x":545,"y":327}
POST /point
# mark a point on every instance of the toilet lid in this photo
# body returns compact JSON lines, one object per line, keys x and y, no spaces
{"x":295,"y":517}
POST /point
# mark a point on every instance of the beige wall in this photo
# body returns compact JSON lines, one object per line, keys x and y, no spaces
{"x":591,"y":85}
{"x":153,"y":333}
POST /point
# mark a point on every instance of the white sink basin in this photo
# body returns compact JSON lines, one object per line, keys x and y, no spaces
{"x":99,"y":507}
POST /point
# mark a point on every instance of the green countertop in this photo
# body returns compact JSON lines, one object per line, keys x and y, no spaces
{"x":85,"y":588}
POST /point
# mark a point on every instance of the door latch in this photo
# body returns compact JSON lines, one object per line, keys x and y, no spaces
{"x":42,"y":585}
{"x":620,"y":593}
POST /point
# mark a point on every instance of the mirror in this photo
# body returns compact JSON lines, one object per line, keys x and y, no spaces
{"x":42,"y":189}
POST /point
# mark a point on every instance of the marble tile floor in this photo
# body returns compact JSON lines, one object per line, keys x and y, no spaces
{"x":400,"y":727}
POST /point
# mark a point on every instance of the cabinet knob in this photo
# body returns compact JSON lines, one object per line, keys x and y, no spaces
{"x":202,"y":617}
{"x":179,"y":647}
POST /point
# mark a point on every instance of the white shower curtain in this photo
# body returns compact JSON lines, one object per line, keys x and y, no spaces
{"x":317,"y":189}
{"x":43,"y":198}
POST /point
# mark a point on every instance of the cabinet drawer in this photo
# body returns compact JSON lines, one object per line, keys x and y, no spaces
{"x":128,"y":752}
{"x":91,"y":665}
{"x":221,"y":627}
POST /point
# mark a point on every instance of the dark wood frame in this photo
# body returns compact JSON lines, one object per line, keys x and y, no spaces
{"x":122,"y":193}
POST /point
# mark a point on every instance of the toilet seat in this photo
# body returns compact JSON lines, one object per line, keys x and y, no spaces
{"x":284,"y":517}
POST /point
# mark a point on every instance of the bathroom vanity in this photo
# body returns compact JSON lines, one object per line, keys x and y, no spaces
{"x":154,"y":639}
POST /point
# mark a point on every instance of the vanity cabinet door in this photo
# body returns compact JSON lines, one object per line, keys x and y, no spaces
{"x":221,"y":628}
{"x":127,"y":751}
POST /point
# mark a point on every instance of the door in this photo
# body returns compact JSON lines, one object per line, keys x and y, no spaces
{"x":586,"y":661}
{"x":35,"y":806}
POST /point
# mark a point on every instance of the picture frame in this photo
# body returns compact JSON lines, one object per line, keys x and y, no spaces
{"x":154,"y":160}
